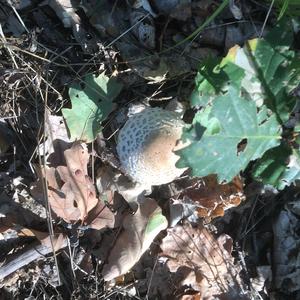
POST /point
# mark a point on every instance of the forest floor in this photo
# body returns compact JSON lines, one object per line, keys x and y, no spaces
{"x":238,"y":240}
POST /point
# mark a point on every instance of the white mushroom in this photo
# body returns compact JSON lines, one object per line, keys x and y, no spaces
{"x":146,"y":146}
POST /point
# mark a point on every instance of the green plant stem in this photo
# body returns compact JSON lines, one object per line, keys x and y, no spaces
{"x":201,"y":27}
{"x":192,"y":35}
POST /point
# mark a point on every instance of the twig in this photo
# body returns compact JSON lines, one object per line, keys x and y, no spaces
{"x":266,"y":19}
{"x":25,"y":258}
{"x":45,"y":192}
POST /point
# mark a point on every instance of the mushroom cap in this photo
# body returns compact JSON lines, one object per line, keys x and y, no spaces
{"x":146,"y":146}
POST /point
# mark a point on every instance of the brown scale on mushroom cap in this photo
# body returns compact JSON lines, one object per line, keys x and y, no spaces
{"x":146,"y":146}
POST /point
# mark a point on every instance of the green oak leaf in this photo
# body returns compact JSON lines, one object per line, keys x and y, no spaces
{"x":235,"y":135}
{"x":266,"y":71}
{"x":91,"y":104}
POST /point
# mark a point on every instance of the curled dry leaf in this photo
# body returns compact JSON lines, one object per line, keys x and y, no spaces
{"x":139,"y":230}
{"x":205,"y":263}
{"x":212,"y":198}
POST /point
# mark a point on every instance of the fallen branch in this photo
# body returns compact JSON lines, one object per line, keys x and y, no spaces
{"x":18,"y":261}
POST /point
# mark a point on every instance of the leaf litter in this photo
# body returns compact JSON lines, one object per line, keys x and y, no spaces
{"x":206,"y":261}
{"x":72,"y":42}
{"x":138,"y":232}
{"x":71,"y":192}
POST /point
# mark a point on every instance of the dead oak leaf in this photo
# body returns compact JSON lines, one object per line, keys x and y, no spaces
{"x":101,"y":216}
{"x":71,"y":192}
{"x":77,"y":182}
{"x":139,"y":231}
{"x":196,"y":247}
{"x":76,"y":177}
{"x":212,"y":198}
{"x":59,"y":240}
{"x":208,"y":259}
{"x":61,"y":199}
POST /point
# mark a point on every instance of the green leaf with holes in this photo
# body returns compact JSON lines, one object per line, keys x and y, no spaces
{"x":266,"y":71}
{"x":92,"y":102}
{"x":235,"y":135}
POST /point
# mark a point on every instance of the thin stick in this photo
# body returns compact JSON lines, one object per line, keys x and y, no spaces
{"x":266,"y":19}
{"x":45,"y":191}
{"x":28,"y":256}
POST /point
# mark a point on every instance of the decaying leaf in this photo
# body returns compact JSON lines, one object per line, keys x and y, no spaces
{"x":76,"y":179}
{"x":100,"y":216}
{"x":8,"y":223}
{"x":71,"y":193}
{"x":204,"y":261}
{"x":212,"y":199}
{"x":204,"y":198}
{"x":61,"y":199}
{"x":139,"y":230}
{"x":58,"y":240}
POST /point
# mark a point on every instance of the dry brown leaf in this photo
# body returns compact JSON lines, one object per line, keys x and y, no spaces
{"x":77,"y":181}
{"x":191,"y":297}
{"x":62,"y":199}
{"x":208,"y":259}
{"x":139,"y":230}
{"x":7,"y":223}
{"x":58,"y":240}
{"x":71,"y":192}
{"x":196,"y":247}
{"x":100,"y":216}
{"x":212,"y":198}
